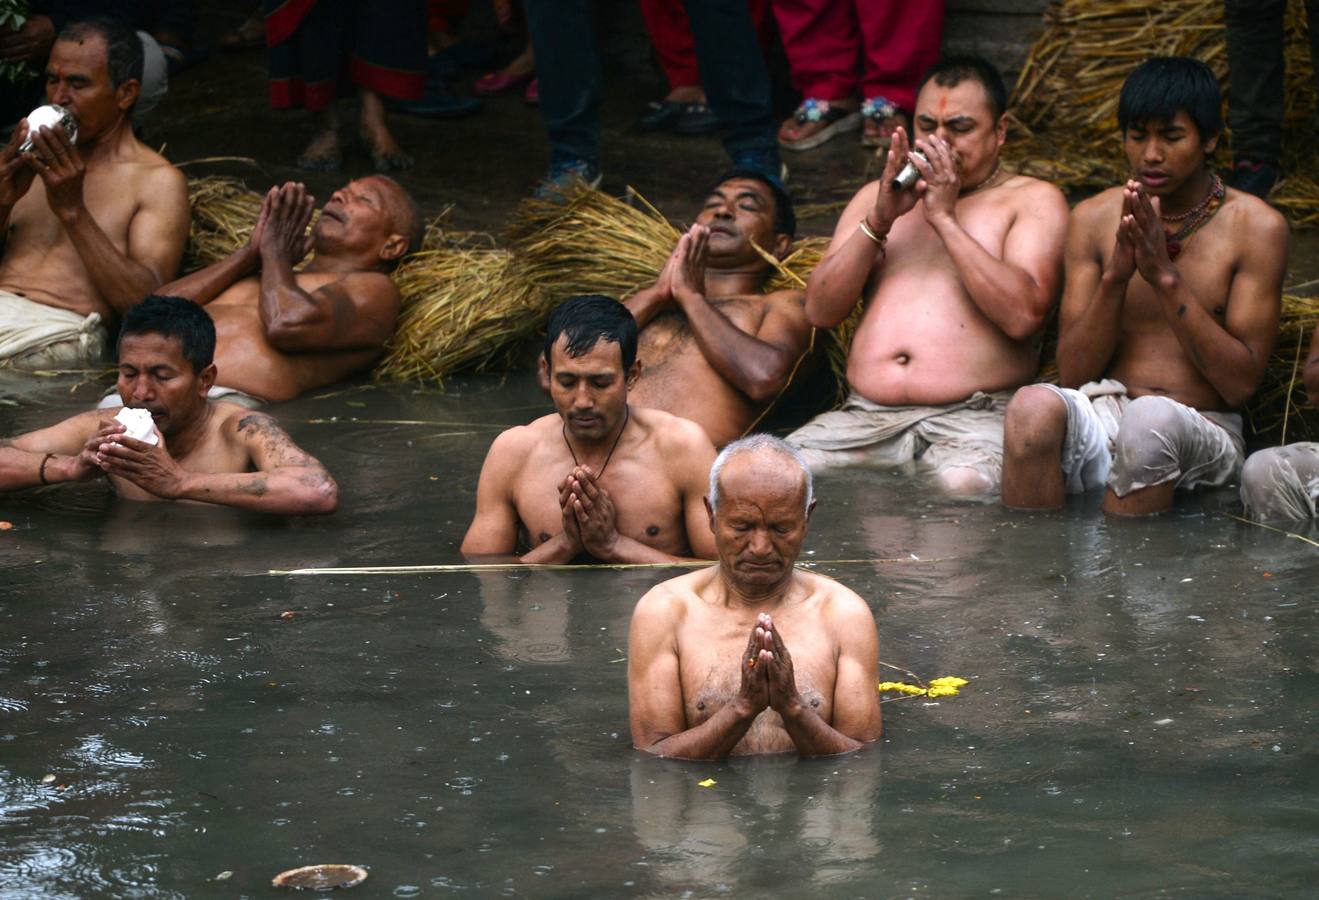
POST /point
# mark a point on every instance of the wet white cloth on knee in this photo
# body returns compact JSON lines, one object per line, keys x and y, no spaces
{"x":1161,"y":441}
{"x":1281,"y":483}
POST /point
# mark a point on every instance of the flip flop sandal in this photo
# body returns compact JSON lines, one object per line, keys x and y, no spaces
{"x":882,"y":117}
{"x":835,"y":119}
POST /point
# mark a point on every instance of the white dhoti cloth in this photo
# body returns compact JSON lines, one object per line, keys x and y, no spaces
{"x":37,"y":336}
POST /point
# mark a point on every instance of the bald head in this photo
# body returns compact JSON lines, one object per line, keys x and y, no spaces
{"x":406,"y":214}
{"x":760,"y":465}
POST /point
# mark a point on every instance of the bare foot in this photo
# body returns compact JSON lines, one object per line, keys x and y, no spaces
{"x":386,"y":154}
{"x":323,"y":154}
{"x":690,"y":94}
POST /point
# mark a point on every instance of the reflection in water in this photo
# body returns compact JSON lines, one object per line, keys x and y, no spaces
{"x":1125,"y":728}
{"x":821,"y":816}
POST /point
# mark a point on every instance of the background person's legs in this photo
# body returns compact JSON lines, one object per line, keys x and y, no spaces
{"x":568,"y":68}
{"x":736,"y":81}
{"x":1255,"y":70}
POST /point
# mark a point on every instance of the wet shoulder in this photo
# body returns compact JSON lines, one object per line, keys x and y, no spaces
{"x":521,"y":441}
{"x":1253,"y":218}
{"x":671,"y":434}
{"x":836,"y":601}
{"x":670,"y":601}
{"x":1036,"y":195}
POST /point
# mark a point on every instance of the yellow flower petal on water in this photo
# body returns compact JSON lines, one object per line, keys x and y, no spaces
{"x":709,"y":782}
{"x":949,"y":681}
{"x":900,"y":687}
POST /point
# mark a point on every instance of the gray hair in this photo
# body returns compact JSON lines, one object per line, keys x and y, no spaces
{"x":759,"y":443}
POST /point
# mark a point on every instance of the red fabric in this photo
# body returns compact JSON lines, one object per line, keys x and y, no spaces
{"x":398,"y":83}
{"x":826,"y":41}
{"x":899,"y":42}
{"x":287,"y":93}
{"x":670,"y":32}
{"x":285,"y":19}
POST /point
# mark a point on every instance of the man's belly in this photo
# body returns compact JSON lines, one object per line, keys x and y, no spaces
{"x":246,"y":361}
{"x":1157,"y":365}
{"x":907,"y":353}
{"x":684,"y":384}
{"x":60,"y":287}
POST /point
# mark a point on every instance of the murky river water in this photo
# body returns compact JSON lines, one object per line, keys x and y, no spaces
{"x":1141,"y":716}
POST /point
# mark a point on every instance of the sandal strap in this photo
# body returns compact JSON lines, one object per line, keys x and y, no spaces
{"x":879,"y":108}
{"x":812,"y":109}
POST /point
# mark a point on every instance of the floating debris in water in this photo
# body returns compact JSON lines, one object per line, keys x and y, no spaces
{"x":48,"y":779}
{"x":709,"y":782}
{"x":223,"y":876}
{"x":320,"y":878}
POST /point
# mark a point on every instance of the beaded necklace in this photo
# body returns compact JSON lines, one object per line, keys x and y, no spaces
{"x":1195,"y":217}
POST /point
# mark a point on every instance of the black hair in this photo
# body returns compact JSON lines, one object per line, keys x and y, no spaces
{"x":950,"y":71}
{"x":123,"y":48}
{"x":785,"y":218}
{"x":174,"y":317}
{"x":1163,"y":86}
{"x":588,"y":319}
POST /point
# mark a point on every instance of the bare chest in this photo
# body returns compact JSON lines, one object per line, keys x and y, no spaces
{"x":213,"y":456}
{"x":110,"y":201}
{"x":711,"y":655}
{"x":648,"y":507}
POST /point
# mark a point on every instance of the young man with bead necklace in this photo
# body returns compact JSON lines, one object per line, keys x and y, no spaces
{"x":957,"y":276}
{"x":1169,"y":314}
{"x":598,"y":480}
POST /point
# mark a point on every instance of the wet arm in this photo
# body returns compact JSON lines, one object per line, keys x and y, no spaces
{"x":646,"y":304}
{"x":757,"y":365}
{"x":21,"y":458}
{"x":204,"y":285}
{"x":1091,"y":317}
{"x":655,"y":702}
{"x":493,"y":535}
{"x":156,"y":238}
{"x":354,"y":313}
{"x":1232,"y":356}
{"x":288,"y":481}
{"x":836,"y":285}
{"x":1016,"y":292}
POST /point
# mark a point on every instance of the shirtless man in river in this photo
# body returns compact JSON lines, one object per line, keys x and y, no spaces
{"x":713,"y":348}
{"x":600,"y":479}
{"x":957,"y":277}
{"x":87,"y":230}
{"x":709,"y":671}
{"x":1174,"y":287}
{"x":207,"y":451}
{"x":282,"y":333}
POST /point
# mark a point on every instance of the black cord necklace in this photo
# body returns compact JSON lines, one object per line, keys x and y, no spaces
{"x":627,"y":414}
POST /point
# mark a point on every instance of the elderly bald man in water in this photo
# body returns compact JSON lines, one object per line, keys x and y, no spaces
{"x":710,"y":674}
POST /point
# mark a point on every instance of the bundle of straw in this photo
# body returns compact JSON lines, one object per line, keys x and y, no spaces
{"x":1064,"y":107}
{"x":224,"y":212}
{"x":462,"y":310}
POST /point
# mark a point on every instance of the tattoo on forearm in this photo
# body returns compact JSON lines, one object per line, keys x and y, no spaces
{"x":274,"y":440}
